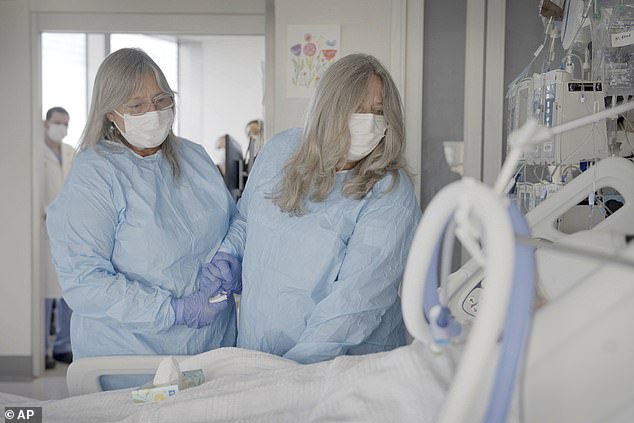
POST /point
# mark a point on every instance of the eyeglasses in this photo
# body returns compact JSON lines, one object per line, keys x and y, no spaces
{"x":139,"y":107}
{"x":373,"y":110}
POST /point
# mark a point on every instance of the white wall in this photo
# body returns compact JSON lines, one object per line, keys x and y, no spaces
{"x":15,"y":180}
{"x":229,"y":71}
{"x":190,"y":114}
{"x":365,"y":27}
{"x":228,"y":86}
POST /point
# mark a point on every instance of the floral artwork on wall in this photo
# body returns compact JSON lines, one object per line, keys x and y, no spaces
{"x":311,"y":50}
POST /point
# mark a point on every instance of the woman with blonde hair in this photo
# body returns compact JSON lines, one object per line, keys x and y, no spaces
{"x":329,"y":214}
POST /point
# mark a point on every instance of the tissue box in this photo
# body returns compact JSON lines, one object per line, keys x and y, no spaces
{"x":192,"y":378}
{"x":149,"y":393}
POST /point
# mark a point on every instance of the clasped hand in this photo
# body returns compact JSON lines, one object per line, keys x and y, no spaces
{"x":226,"y":269}
{"x":195,"y":310}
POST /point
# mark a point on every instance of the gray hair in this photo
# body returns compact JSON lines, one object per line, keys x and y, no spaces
{"x":119,"y":76}
{"x":311,"y":170}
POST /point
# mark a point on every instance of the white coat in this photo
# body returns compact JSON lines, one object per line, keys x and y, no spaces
{"x":51,"y":182}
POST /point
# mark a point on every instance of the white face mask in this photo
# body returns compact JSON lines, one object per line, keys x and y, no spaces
{"x":366,"y":131}
{"x":57,"y":131}
{"x":148,"y":130}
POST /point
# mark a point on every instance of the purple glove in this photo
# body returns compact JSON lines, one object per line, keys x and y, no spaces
{"x":226,"y":269}
{"x":195,"y":311}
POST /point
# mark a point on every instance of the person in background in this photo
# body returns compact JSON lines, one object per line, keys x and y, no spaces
{"x":328,"y":215}
{"x":56,"y":161}
{"x":220,"y":146}
{"x":254,"y":130}
{"x":140,"y":212}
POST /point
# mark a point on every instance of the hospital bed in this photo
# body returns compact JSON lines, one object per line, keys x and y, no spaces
{"x":247,"y":386}
{"x":575,"y":367}
{"x":615,"y":173}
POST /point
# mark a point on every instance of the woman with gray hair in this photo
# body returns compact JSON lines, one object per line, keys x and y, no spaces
{"x":139,"y":213}
{"x":330,"y":213}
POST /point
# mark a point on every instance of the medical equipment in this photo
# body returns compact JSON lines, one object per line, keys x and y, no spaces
{"x":464,"y":286}
{"x":480,"y":216}
{"x":613,"y":46}
{"x":599,"y":37}
{"x":554,"y":98}
{"x":575,"y":25}
{"x":218,"y":298}
{"x":585,"y":283}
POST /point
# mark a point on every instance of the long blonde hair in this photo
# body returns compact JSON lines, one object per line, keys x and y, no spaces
{"x":119,"y":76}
{"x":311,"y":170}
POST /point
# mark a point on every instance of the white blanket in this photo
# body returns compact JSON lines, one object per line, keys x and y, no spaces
{"x":404,"y":385}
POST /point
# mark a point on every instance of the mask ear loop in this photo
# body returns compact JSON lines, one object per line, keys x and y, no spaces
{"x":113,"y":133}
{"x":115,"y":123}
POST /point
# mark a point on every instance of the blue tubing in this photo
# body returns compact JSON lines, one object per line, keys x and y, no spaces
{"x":516,"y":326}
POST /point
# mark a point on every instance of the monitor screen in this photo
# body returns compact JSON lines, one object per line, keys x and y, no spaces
{"x":234,"y":167}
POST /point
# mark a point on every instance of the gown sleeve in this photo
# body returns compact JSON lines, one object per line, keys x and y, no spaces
{"x":235,"y":240}
{"x":82,"y":224}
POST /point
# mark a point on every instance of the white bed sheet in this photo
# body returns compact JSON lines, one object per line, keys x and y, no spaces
{"x":404,"y":385}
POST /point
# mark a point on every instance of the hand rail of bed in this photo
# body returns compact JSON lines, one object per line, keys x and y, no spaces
{"x":82,"y":376}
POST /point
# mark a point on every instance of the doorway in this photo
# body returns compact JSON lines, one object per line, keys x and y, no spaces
{"x":219,"y":79}
{"x":195,"y":51}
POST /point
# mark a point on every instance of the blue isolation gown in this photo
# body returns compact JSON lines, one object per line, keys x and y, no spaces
{"x":325,"y":283}
{"x":126,"y":237}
